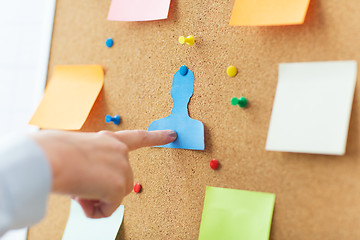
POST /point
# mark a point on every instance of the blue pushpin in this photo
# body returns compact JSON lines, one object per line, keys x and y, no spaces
{"x":116,"y":119}
{"x":109,"y":42}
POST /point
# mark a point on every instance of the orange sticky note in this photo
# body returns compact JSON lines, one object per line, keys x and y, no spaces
{"x":69,"y":97}
{"x":269,"y":12}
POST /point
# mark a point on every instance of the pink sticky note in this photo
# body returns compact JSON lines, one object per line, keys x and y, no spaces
{"x":138,"y":10}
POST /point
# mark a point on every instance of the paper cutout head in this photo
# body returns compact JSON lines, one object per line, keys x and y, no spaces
{"x":183,"y":85}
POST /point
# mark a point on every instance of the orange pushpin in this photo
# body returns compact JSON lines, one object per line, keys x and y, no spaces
{"x":190,"y":40}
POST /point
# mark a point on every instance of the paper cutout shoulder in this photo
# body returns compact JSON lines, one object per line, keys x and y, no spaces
{"x":190,"y":132}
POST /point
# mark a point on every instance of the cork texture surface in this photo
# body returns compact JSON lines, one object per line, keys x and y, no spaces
{"x":317,"y":196}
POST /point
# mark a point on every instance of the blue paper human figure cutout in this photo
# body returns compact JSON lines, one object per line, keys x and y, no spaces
{"x":190,"y":132}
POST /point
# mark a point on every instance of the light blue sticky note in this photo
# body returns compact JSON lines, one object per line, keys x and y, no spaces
{"x":81,"y":227}
{"x":190,"y":132}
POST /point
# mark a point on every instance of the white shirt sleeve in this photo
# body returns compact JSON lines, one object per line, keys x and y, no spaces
{"x":25,"y":182}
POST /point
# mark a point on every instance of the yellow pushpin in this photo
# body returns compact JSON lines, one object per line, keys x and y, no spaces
{"x":190,"y":40}
{"x":231,"y":71}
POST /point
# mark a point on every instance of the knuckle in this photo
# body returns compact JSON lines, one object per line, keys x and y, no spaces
{"x":89,"y":214}
{"x":123,"y":183}
{"x":123,"y":165}
{"x":106,"y":133}
{"x":130,"y":182}
{"x":142,"y":135}
{"x":120,"y":187}
{"x":130,"y":187}
{"x":121,"y":147}
{"x":107,"y":213}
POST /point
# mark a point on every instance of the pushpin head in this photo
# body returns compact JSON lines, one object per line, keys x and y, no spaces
{"x":234,"y":101}
{"x":183,"y":70}
{"x":242,"y":102}
{"x":116,"y":119}
{"x":214,"y":164}
{"x":190,"y":40}
{"x":109,"y":42}
{"x":108,"y":118}
{"x":137,"y":187}
{"x":182,"y":39}
{"x":231,"y":71}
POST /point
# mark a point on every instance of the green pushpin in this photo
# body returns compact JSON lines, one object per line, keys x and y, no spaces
{"x":242,"y":102}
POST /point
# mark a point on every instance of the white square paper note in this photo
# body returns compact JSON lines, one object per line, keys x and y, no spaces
{"x":81,"y":227}
{"x":312,"y":107}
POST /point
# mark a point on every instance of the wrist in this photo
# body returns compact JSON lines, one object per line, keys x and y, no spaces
{"x":54,"y":151}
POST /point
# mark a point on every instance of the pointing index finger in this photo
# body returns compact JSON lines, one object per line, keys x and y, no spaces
{"x":135,"y":139}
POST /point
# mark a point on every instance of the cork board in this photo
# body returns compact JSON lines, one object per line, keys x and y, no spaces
{"x":317,"y":196}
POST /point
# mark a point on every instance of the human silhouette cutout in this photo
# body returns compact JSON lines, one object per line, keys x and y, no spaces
{"x":190,"y":132}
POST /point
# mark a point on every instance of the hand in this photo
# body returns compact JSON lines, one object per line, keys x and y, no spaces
{"x":94,"y":167}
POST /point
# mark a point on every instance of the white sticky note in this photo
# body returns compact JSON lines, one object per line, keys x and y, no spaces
{"x":18,"y":234}
{"x":81,"y":227}
{"x":312,"y":107}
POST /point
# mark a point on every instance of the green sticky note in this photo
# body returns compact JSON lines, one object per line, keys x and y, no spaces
{"x":236,"y":214}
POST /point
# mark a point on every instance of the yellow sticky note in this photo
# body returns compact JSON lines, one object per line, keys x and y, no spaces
{"x":69,"y":97}
{"x":269,"y":12}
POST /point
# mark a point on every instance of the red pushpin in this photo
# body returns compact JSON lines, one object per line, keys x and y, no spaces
{"x":137,"y":187}
{"x":214,"y":164}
